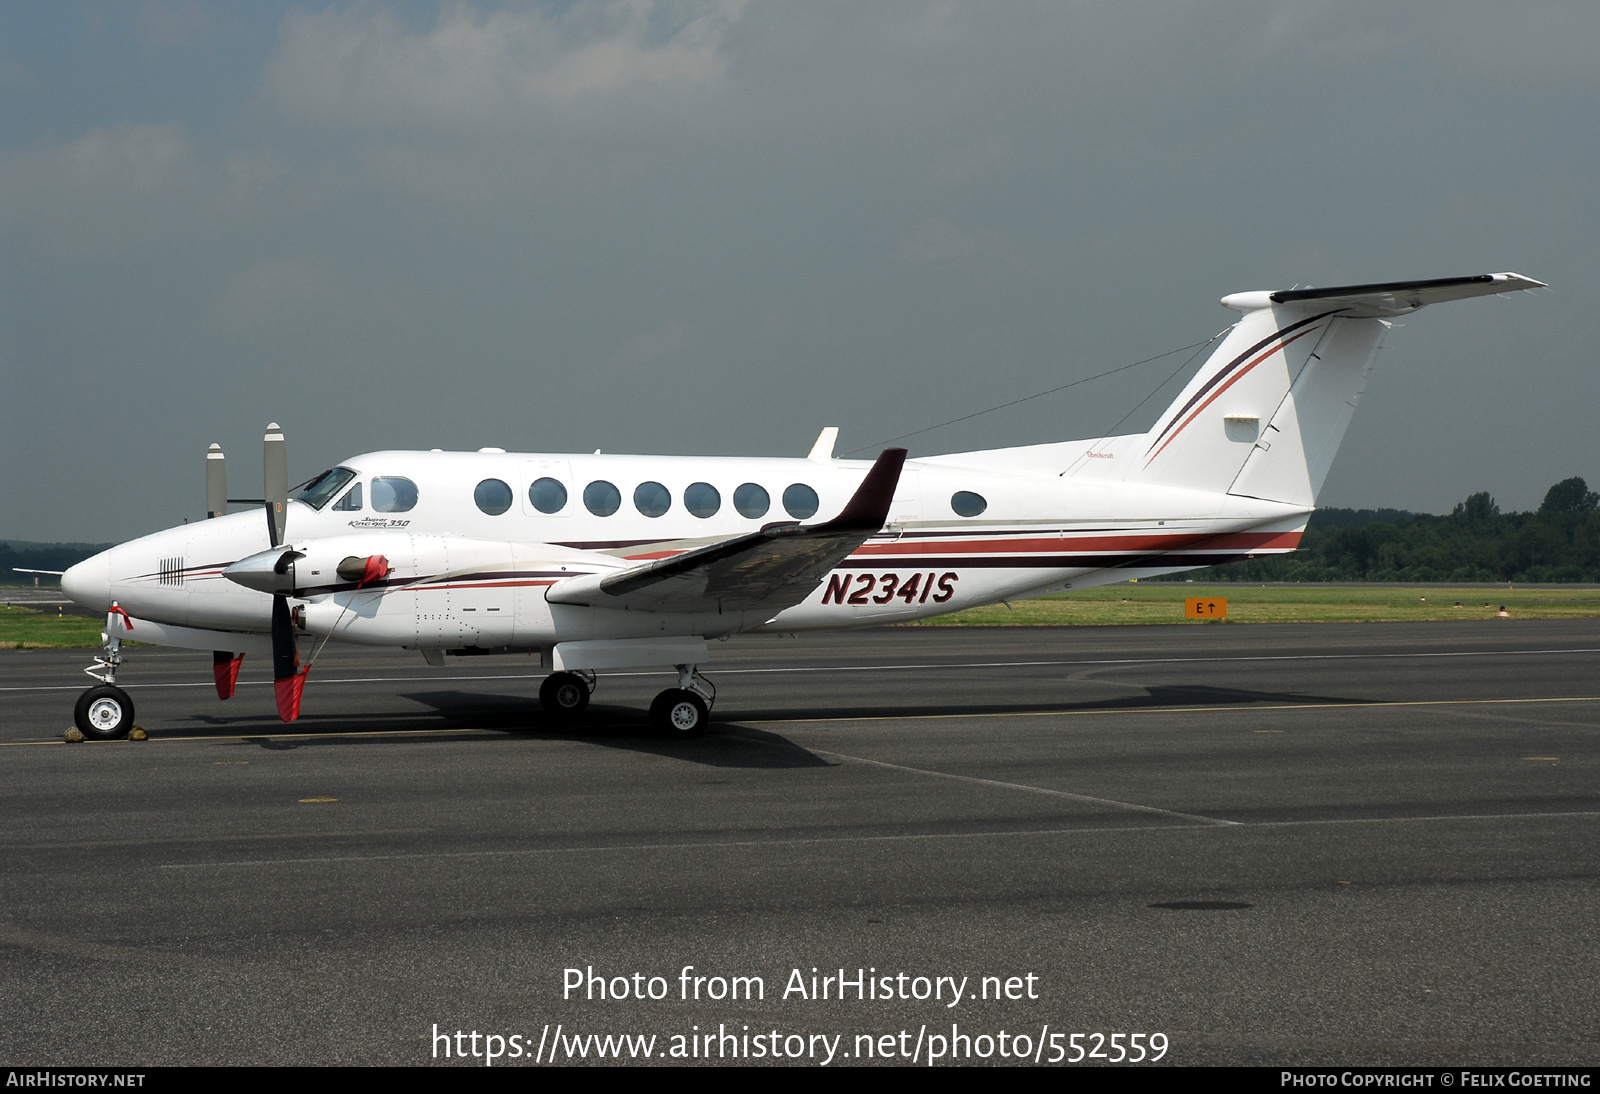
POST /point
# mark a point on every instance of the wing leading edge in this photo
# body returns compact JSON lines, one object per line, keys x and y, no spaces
{"x":768,"y":570}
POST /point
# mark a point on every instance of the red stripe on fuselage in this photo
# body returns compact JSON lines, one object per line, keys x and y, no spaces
{"x":1055,"y":545}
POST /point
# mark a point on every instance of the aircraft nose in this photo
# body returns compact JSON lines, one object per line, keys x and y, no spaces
{"x":89,"y":582}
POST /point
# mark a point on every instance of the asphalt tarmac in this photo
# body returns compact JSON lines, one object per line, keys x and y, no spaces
{"x":1297,"y":844}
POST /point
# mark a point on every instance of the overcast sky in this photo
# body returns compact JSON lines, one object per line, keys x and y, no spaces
{"x":717,"y":227}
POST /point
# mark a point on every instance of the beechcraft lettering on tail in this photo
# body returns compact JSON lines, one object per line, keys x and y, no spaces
{"x":599,"y":561}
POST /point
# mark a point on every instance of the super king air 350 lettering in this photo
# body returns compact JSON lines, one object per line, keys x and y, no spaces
{"x":602,"y":561}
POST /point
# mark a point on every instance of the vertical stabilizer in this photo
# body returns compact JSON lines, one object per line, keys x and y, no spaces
{"x":1265,"y":415}
{"x":1292,"y":455}
{"x":1209,"y":432}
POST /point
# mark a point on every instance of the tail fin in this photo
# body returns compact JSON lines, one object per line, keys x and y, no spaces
{"x":1265,"y":415}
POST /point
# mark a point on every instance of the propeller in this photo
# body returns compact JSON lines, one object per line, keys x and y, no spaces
{"x":224,"y":663}
{"x":288,"y":681}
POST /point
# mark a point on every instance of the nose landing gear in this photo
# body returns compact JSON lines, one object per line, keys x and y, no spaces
{"x":105,"y":713}
{"x":684,"y":710}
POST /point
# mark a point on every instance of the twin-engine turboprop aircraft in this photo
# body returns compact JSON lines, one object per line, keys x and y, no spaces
{"x":599,"y":562}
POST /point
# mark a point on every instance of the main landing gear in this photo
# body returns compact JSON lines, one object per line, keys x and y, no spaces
{"x":566,"y":694}
{"x":684,"y":710}
{"x":680,"y":712}
{"x":104,"y":713}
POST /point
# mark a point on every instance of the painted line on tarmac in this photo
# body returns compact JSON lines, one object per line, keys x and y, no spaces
{"x":704,"y":845}
{"x":576,"y":732}
{"x":329,"y":734}
{"x":1023,"y":786}
{"x":1242,"y":708}
{"x":921,"y":666}
{"x":1146,"y":661}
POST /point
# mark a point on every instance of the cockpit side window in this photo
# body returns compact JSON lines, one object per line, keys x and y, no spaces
{"x":393,"y":495}
{"x":351,"y":502}
{"x":320,"y":490}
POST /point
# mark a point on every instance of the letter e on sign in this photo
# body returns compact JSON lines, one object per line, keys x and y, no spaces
{"x":1205,"y":607}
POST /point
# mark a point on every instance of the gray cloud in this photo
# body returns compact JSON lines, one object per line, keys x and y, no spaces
{"x":718,"y":227}
{"x":473,"y":69}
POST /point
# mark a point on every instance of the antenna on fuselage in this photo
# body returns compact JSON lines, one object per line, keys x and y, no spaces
{"x":216,"y":482}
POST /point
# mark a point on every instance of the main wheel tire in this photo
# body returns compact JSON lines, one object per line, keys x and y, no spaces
{"x":680,"y":713}
{"x":564,"y":694}
{"x":104,"y":713}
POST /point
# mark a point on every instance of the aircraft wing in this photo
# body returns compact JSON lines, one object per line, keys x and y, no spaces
{"x":772,"y":569}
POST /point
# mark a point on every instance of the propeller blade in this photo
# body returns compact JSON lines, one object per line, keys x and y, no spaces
{"x":216,"y":483}
{"x":275,"y":478}
{"x":287,"y":680}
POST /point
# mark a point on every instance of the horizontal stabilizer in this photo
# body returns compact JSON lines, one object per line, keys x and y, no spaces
{"x":1387,"y":297}
{"x":771,"y":569}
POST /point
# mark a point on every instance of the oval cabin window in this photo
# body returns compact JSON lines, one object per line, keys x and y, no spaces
{"x":547,"y":496}
{"x":601,"y":498}
{"x":967,"y":504}
{"x":800,"y":500}
{"x":652,"y":499}
{"x":492,"y":496}
{"x":751,"y":501}
{"x":702,"y":499}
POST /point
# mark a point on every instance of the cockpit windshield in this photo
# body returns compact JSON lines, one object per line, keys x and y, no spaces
{"x":325,"y":486}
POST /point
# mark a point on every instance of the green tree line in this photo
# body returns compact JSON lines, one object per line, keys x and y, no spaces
{"x":41,"y":556}
{"x":1560,"y":541}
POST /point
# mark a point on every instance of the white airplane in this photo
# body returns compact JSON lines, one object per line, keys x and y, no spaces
{"x":616,"y":561}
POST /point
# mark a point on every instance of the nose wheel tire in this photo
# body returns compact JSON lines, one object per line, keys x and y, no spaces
{"x":104,"y":713}
{"x":680,"y":713}
{"x":564,"y":694}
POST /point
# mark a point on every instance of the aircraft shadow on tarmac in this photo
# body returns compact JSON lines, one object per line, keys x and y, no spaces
{"x":749,"y":747}
{"x":621,"y":728}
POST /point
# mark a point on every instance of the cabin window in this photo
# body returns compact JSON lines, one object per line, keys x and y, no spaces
{"x":800,"y":500}
{"x":351,"y":502}
{"x":652,"y":499}
{"x":321,"y":490}
{"x":967,"y":504}
{"x":548,"y":495}
{"x":702,"y":499}
{"x":751,"y":501}
{"x":492,"y":496}
{"x":394,"y":495}
{"x":601,"y":498}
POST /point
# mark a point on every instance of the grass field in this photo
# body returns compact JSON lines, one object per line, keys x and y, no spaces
{"x":29,"y":628}
{"x":1162,"y":602}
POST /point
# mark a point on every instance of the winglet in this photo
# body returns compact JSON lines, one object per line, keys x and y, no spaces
{"x":868,"y":508}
